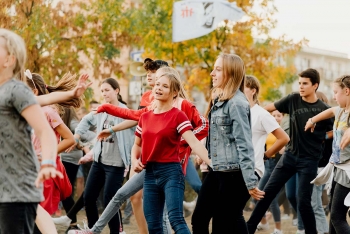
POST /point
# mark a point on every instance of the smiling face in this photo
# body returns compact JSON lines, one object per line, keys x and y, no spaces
{"x":108,"y":93}
{"x":218,"y":73}
{"x":341,"y":95}
{"x":162,"y":89}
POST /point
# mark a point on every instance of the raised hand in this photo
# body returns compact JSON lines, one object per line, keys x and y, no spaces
{"x":81,"y":86}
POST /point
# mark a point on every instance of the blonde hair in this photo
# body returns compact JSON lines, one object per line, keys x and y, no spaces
{"x":233,"y":77}
{"x":15,"y":46}
{"x":253,"y":83}
{"x":175,"y":84}
{"x":182,"y":92}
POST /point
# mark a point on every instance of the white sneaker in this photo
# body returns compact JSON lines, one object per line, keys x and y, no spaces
{"x":277,"y":231}
{"x":300,"y":232}
{"x":63,"y":220}
{"x":262,"y":227}
{"x":122,"y":232}
{"x":284,"y":217}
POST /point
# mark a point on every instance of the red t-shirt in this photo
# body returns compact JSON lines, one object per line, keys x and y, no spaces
{"x":161,"y":134}
{"x":146,"y":99}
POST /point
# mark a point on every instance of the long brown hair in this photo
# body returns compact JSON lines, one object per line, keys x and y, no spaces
{"x":233,"y":76}
{"x":66,"y":83}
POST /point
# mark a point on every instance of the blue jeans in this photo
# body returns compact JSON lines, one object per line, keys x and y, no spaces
{"x":131,"y":187}
{"x":192,"y":177}
{"x":292,"y":195}
{"x":164,"y":182}
{"x":289,"y":164}
{"x":112,"y":179}
{"x":274,"y":207}
{"x":316,"y":202}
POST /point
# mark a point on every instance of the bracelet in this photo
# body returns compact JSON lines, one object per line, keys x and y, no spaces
{"x":76,"y":140}
{"x":327,"y":136}
{"x":111,"y":130}
{"x":312,"y":121}
{"x":48,"y":162}
{"x":47,"y":166}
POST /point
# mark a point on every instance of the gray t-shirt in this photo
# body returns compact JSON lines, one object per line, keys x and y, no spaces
{"x":19,"y":165}
{"x":110,"y":154}
{"x":340,"y":156}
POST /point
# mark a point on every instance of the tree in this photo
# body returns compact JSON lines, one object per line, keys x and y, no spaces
{"x":69,"y":36}
{"x":265,"y":57}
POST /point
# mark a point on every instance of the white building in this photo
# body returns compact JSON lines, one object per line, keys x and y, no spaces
{"x":331,"y":65}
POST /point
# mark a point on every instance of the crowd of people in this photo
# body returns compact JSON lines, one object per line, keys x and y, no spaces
{"x":248,"y":153}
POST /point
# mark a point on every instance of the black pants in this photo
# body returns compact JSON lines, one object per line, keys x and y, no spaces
{"x":289,"y":164}
{"x":338,"y":223}
{"x":112,"y":179}
{"x":222,"y":197}
{"x":68,"y":203}
{"x":17,"y":218}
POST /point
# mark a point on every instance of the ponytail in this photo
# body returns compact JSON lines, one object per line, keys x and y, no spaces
{"x":120,"y":99}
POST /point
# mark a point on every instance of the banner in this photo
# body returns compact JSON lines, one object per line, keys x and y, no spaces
{"x":195,"y":18}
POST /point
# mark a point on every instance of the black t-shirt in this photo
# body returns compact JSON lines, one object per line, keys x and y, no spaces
{"x":304,"y":144}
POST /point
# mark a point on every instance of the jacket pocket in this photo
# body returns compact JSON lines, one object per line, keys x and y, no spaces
{"x":224,"y":124}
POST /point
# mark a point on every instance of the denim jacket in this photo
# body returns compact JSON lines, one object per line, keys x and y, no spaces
{"x":230,"y":138}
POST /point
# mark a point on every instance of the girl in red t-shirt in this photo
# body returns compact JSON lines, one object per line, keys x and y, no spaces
{"x":199,"y":123}
{"x":159,"y":146}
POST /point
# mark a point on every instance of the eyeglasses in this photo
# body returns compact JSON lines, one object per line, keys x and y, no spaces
{"x":30,"y":77}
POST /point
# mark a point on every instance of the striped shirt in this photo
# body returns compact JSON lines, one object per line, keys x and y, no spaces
{"x":161,"y":134}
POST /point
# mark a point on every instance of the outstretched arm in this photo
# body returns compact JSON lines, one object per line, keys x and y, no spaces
{"x":120,"y":112}
{"x":326,"y":114}
{"x":57,"y":97}
{"x":119,"y":127}
{"x":197,"y":147}
{"x":270,"y":107}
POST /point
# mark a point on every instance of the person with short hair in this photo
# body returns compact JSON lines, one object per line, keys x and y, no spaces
{"x":303,"y":151}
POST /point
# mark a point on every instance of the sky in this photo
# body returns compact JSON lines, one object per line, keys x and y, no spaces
{"x":325,"y":23}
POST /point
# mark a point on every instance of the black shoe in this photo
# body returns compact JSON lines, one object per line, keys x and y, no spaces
{"x":74,"y":227}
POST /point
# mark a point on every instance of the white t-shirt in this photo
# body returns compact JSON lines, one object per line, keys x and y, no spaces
{"x":263,"y":123}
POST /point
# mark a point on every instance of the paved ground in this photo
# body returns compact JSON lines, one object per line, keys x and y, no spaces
{"x":132,"y":228}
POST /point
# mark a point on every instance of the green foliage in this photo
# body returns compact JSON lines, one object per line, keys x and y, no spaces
{"x":69,"y":37}
{"x":152,"y":25}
